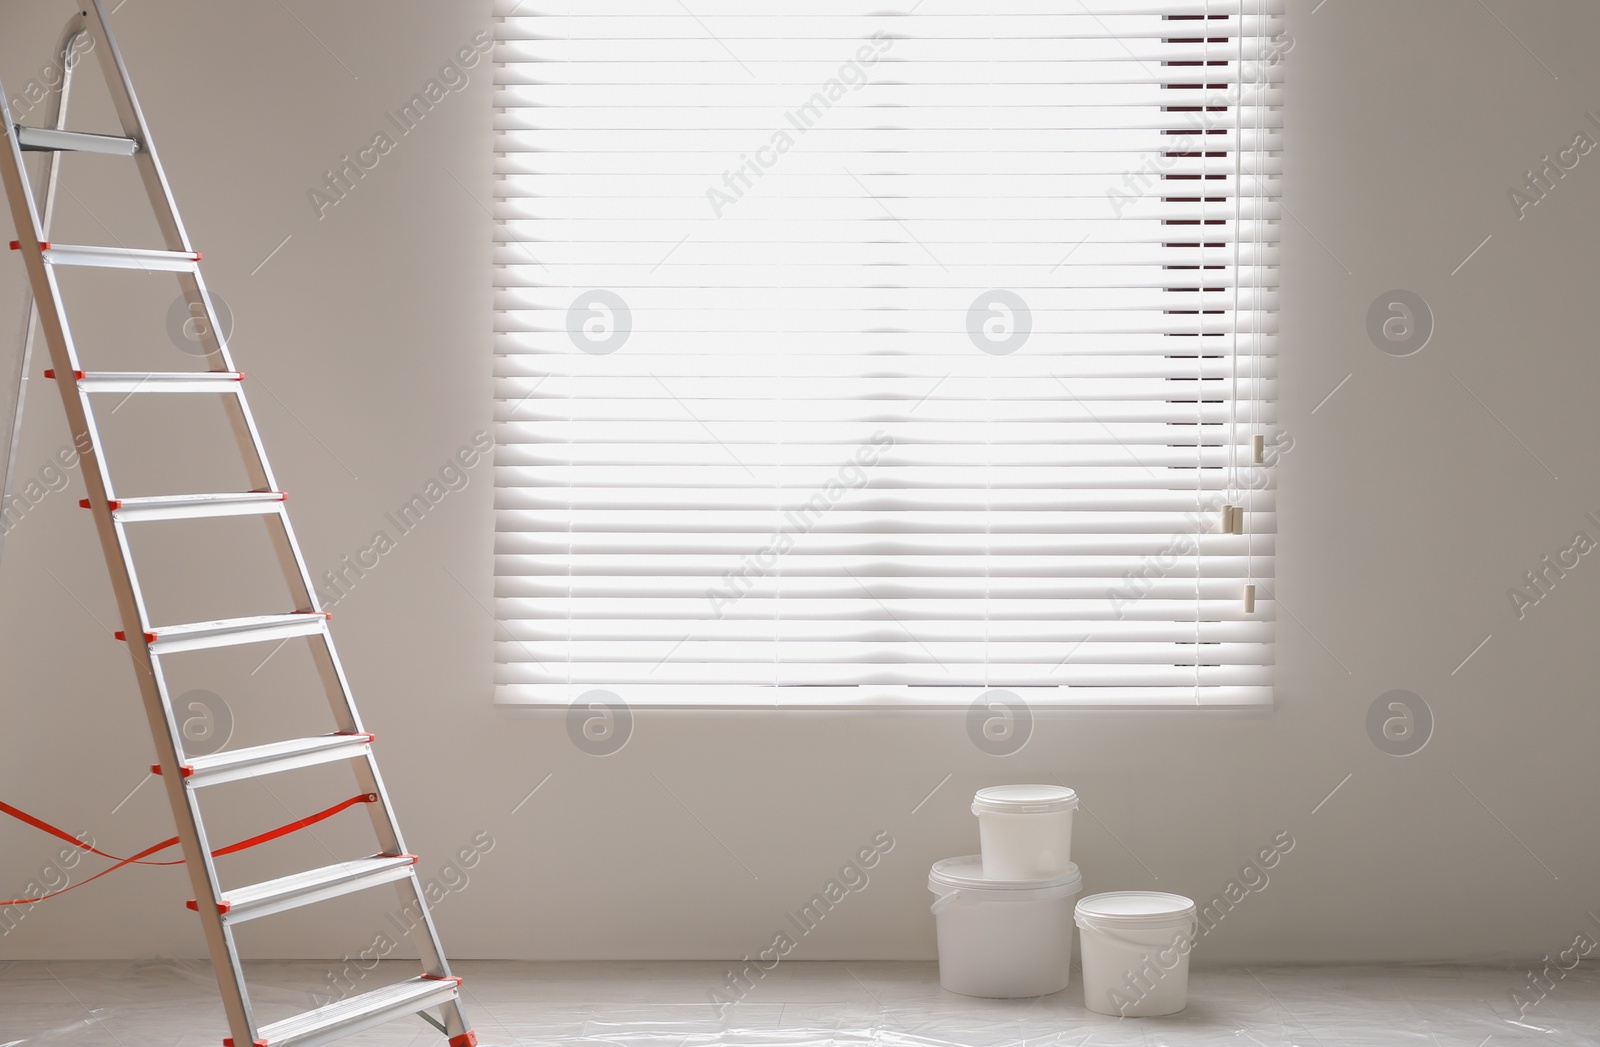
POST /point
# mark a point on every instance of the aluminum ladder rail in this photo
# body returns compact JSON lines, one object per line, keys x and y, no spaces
{"x":148,"y":643}
{"x":11,"y":412}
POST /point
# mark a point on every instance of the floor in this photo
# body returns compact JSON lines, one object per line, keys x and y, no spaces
{"x":166,"y":1004}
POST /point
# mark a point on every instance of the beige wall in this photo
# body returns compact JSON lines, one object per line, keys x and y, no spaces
{"x":1408,"y":509}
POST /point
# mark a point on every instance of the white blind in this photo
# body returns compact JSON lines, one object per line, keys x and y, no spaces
{"x":851,"y":355}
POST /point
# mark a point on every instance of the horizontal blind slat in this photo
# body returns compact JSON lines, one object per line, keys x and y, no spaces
{"x":867,"y":631}
{"x":975,"y":521}
{"x":695,"y":696}
{"x":533,"y":21}
{"x":808,"y":673}
{"x":906,"y":612}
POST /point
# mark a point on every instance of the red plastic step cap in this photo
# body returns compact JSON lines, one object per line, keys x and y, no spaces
{"x":194,"y":906}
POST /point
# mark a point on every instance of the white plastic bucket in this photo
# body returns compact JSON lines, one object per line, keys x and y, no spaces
{"x":1002,"y":939}
{"x":1025,"y":831}
{"x":1135,"y":948}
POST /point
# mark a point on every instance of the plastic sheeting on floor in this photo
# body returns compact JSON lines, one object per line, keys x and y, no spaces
{"x":692,"y":1004}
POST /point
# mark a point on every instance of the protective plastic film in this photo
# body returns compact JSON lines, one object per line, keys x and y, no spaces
{"x":882,"y":1004}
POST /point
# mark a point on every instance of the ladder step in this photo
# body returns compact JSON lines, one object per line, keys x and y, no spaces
{"x":119,"y":257}
{"x":272,"y":758}
{"x":194,"y":506}
{"x":227,"y":632}
{"x":157,"y":381}
{"x":314,"y":885}
{"x":358,"y":1013}
{"x":49,"y":140}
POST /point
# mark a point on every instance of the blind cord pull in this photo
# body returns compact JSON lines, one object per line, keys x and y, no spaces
{"x":1250,"y":598}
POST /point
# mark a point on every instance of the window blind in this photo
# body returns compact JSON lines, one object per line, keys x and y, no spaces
{"x":850,"y":354}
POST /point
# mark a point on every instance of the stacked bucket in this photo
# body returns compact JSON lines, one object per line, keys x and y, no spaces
{"x":1005,"y":917}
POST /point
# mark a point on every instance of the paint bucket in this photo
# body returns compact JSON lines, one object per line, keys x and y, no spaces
{"x":1135,"y":947}
{"x":1025,"y":831}
{"x":1002,"y":939}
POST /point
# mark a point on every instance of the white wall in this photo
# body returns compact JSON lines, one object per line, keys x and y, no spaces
{"x":1408,"y":509}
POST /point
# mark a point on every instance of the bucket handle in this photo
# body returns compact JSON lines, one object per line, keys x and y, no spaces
{"x":944,"y":901}
{"x":1109,"y":932}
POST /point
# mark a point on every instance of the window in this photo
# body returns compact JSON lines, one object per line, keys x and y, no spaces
{"x":852,"y":357}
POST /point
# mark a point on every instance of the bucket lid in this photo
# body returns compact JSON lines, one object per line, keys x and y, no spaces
{"x":1024,"y":799}
{"x":1134,"y":908}
{"x":966,"y":873}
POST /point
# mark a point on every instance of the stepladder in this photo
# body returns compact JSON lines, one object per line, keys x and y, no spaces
{"x":89,"y":380}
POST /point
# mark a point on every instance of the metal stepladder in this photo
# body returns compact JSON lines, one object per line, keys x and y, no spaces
{"x":185,"y":776}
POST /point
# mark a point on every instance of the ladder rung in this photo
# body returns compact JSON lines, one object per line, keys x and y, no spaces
{"x":314,"y":885}
{"x":119,"y":257}
{"x":200,"y":636}
{"x":49,"y":140}
{"x":193,"y":506}
{"x":157,"y":381}
{"x":272,"y":758}
{"x":358,"y":1013}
